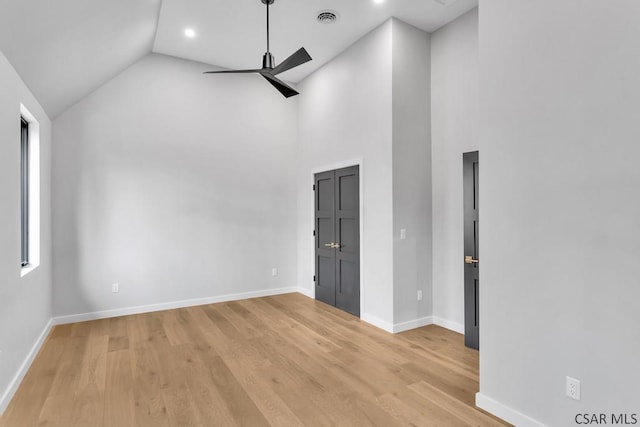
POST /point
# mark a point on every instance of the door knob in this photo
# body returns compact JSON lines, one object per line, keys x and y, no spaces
{"x":329,"y":245}
{"x":469,"y":260}
{"x":336,"y":246}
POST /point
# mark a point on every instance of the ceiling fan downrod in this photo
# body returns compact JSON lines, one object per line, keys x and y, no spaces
{"x":268,"y":61}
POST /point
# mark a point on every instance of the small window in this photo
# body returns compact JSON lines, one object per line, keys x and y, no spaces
{"x":29,"y":192}
{"x":24,"y":190}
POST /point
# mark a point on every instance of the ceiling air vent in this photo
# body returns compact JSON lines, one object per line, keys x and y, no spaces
{"x":327,"y":17}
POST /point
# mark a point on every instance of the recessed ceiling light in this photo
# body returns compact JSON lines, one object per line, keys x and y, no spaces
{"x":378,"y":1}
{"x":190,"y":32}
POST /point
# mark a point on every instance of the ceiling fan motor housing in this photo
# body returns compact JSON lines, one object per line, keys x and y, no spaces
{"x":267,"y":1}
{"x":268,"y":61}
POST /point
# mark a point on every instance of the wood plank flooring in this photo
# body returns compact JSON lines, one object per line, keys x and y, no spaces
{"x":283,"y":361}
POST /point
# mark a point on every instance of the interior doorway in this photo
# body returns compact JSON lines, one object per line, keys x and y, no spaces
{"x":471,"y":168}
{"x":337,"y":238}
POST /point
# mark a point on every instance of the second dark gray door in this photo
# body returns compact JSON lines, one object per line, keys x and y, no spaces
{"x":337,"y":238}
{"x":471,"y":168}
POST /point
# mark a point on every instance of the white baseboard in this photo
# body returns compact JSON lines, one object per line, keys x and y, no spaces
{"x":73,"y":318}
{"x":377,"y":322}
{"x":26,"y":364}
{"x":448,"y":324}
{"x":412,"y":324}
{"x":306,"y":292}
{"x":506,"y":413}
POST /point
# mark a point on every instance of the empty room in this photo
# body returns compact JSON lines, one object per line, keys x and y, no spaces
{"x":319,"y":212}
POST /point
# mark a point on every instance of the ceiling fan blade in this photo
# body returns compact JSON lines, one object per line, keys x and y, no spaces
{"x":298,"y":58}
{"x":282,"y":87}
{"x":233,"y":71}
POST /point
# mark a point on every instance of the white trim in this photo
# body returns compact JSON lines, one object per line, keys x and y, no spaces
{"x":73,"y":318}
{"x":377,"y":322}
{"x":449,"y":324}
{"x":29,"y":267}
{"x":306,"y":292}
{"x":24,"y":368}
{"x":341,"y":165}
{"x":397,"y":327}
{"x":506,"y":413}
{"x":412,"y":324}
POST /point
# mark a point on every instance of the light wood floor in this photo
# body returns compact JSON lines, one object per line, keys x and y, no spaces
{"x":282,"y":361}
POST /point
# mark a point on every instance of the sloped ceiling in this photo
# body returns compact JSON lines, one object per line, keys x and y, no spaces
{"x":65,"y":49}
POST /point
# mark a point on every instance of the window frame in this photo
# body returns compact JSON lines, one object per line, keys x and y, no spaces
{"x":24,"y":191}
{"x":30,"y":189}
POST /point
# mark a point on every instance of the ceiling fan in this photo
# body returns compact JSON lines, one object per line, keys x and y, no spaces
{"x":269,"y":69}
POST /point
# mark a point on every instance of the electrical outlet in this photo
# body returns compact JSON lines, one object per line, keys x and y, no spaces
{"x":419,"y":295}
{"x":573,"y":388}
{"x":115,"y":288}
{"x":274,"y":272}
{"x":403,"y":233}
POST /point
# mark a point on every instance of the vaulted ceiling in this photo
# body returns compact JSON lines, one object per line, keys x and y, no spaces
{"x":65,"y":49}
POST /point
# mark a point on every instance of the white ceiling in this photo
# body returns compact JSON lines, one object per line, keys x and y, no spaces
{"x":232,"y":33}
{"x":65,"y":49}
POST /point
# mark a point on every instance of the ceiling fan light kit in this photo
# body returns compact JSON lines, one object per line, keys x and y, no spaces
{"x":269,"y":68}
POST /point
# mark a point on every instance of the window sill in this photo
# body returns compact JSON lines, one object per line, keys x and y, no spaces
{"x":27,"y":269}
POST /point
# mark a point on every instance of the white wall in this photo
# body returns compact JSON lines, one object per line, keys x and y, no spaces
{"x":176,"y":185}
{"x":560,"y":90}
{"x":454,"y":115}
{"x":412,"y":256}
{"x":25,"y":303}
{"x":370,"y":106}
{"x":345,"y":117}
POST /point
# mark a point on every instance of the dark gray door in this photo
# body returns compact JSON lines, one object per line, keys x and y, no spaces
{"x":471,"y":260}
{"x":325,"y":231}
{"x":337,"y":243}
